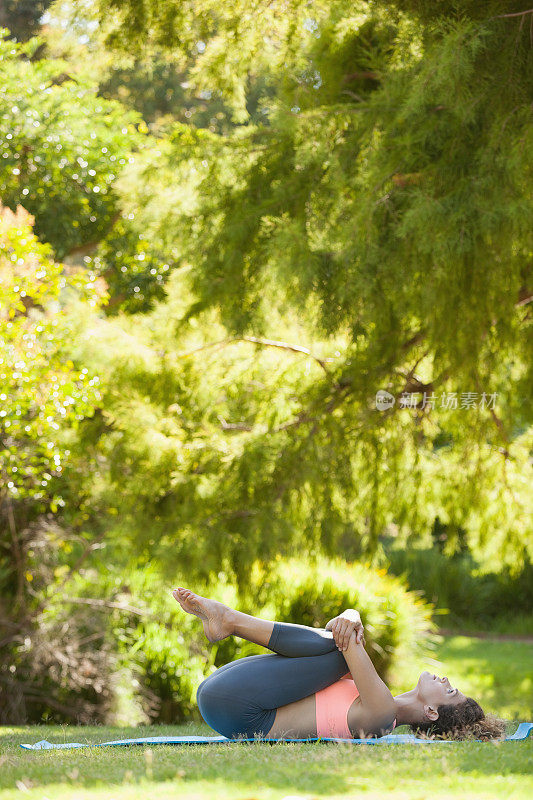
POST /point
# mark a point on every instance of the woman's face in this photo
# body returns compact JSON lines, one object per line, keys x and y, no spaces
{"x":434,"y":691}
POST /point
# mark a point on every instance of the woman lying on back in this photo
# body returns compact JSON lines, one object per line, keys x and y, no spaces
{"x":319,"y":682}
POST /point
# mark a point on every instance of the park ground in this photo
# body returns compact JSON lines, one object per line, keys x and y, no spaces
{"x":496,"y":672}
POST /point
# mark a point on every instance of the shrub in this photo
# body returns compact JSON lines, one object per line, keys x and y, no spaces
{"x":458,"y":588}
{"x":397,"y":622}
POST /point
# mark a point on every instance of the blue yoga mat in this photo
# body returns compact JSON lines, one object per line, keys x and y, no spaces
{"x":522,"y":732}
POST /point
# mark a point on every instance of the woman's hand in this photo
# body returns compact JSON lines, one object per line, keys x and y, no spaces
{"x":344,"y":625}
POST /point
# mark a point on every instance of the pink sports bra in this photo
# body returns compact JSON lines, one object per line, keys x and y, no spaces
{"x":332,"y":704}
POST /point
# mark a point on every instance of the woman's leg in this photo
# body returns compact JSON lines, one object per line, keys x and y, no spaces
{"x":285,"y":638}
{"x":290,"y":639}
{"x":241,"y":698}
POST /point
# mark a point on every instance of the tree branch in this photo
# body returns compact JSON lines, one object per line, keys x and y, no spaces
{"x":233,"y":426}
{"x":296,"y":348}
{"x":341,"y":390}
{"x":353,"y":94}
{"x":516,"y":14}
{"x":525,"y":296}
{"x":97,"y":603}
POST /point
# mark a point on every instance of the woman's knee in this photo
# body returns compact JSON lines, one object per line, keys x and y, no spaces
{"x":219,"y":711}
{"x":207,"y":696}
{"x":220,"y":681}
{"x":202,"y":693}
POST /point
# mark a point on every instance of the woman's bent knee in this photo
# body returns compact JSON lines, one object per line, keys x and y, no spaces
{"x":203,"y":695}
{"x":210,"y":700}
{"x":228,"y":713}
{"x":217,"y":710}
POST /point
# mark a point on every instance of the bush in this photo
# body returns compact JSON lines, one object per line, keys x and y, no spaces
{"x":397,"y":622}
{"x":459,"y":589}
{"x":57,"y":659}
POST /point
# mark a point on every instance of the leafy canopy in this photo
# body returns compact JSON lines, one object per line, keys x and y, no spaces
{"x":385,"y":201}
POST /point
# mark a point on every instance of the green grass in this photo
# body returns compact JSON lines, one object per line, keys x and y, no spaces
{"x":498,"y":674}
{"x":520,"y":624}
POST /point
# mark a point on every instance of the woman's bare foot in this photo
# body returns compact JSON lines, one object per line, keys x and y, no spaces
{"x":215,"y":616}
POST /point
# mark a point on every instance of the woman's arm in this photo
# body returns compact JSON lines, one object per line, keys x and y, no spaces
{"x":377,"y":711}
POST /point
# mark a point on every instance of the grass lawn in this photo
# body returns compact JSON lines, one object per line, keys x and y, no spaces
{"x":497,"y":673}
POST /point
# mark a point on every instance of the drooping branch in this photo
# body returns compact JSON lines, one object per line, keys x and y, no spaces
{"x":525,"y":296}
{"x":515,"y":14}
{"x":341,"y":391}
{"x":412,"y":385}
{"x":296,"y":348}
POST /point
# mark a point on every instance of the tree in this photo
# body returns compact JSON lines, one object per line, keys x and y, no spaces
{"x":386,"y":203}
{"x":156,"y":84}
{"x":44,"y":396}
{"x":64,"y":172}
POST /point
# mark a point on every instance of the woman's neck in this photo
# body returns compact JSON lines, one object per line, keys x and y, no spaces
{"x":407,"y":710}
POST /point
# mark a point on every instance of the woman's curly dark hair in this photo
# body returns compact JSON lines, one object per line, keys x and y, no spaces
{"x":465,"y":720}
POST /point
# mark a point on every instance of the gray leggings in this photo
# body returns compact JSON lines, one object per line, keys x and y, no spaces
{"x":241,"y":698}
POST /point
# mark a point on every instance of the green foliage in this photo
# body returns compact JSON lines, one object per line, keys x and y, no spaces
{"x":384,"y":204}
{"x":44,"y":395}
{"x":429,"y":10}
{"x":159,"y":89}
{"x":237,"y":52}
{"x":64,"y":174}
{"x":42,"y":384}
{"x":462,"y":590}
{"x":156,"y":83}
{"x":369,"y":230}
{"x":51,"y":163}
{"x":221,"y":455}
{"x":133,"y":266}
